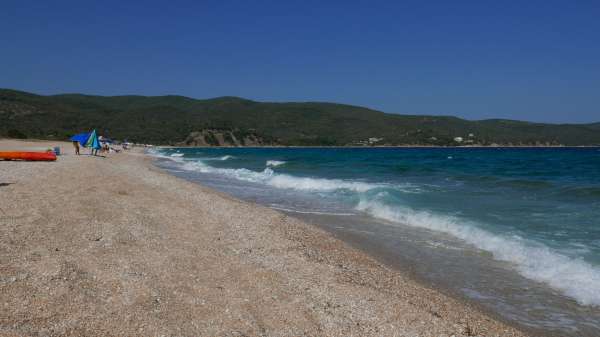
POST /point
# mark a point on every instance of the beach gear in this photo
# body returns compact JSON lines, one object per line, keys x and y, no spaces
{"x":29,"y":156}
{"x":87,"y":139}
{"x":81,"y":138}
{"x":93,"y":141}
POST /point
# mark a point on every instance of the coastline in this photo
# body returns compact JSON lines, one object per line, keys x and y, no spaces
{"x":387,"y":146}
{"x":116,"y":246}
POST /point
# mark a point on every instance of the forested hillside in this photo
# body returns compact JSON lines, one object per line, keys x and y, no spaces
{"x":172,"y":119}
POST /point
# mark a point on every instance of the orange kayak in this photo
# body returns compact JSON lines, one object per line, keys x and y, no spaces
{"x":20,"y":155}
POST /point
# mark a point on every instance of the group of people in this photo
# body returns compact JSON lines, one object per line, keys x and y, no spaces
{"x":105,"y":148}
{"x":97,"y":144}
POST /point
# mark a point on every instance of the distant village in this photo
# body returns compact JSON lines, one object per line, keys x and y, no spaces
{"x":378,"y":141}
{"x":467,"y":140}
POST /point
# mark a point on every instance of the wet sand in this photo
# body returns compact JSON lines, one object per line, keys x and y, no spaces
{"x":114,"y":246}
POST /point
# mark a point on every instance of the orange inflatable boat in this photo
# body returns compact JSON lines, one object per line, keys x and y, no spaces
{"x":35,"y":156}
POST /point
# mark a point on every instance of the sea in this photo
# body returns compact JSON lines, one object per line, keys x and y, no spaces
{"x":516,"y":231}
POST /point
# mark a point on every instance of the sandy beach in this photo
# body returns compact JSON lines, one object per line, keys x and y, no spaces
{"x":95,"y":246}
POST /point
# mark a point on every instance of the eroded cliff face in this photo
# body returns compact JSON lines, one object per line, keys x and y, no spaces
{"x":211,"y":137}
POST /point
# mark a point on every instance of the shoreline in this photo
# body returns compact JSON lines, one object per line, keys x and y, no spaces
{"x":118,"y":246}
{"x":406,"y":269}
{"x":385,"y":147}
{"x":380,"y":257}
{"x":352,"y":235}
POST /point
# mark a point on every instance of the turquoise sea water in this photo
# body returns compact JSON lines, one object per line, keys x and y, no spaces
{"x":535,"y":212}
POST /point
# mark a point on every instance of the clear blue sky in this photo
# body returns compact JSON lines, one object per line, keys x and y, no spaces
{"x":529,"y":60}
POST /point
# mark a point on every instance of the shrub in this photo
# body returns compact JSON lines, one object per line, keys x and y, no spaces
{"x":14,"y":133}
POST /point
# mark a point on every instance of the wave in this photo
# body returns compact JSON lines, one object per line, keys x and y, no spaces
{"x":223,"y":158}
{"x":310,"y":212}
{"x":280,"y":180}
{"x":177,"y":155}
{"x":284,"y":181}
{"x":270,"y":178}
{"x":584,"y":192}
{"x":158,"y":154}
{"x":525,"y":184}
{"x":574,"y":277}
{"x":275,"y":163}
{"x":319,"y":184}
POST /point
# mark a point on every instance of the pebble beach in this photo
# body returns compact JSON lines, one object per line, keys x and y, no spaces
{"x":114,"y":246}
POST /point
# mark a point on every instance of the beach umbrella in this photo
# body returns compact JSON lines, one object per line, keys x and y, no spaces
{"x":92,"y":141}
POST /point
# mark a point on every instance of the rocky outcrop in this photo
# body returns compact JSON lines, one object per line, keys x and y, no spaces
{"x":213,"y":137}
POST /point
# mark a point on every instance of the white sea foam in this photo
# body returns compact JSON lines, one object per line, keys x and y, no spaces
{"x":574,"y":277}
{"x":319,"y":184}
{"x":311,"y":212}
{"x":285,"y":181}
{"x":153,"y":152}
{"x":177,"y":155}
{"x":158,"y":154}
{"x":275,"y":163}
{"x":222,"y":158}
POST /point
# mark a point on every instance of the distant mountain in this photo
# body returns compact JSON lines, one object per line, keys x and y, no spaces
{"x":181,"y":120}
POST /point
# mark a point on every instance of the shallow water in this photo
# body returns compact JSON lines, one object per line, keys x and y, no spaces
{"x":516,"y":230}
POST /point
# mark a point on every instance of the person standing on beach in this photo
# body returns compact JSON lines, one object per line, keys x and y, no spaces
{"x":76,"y":146}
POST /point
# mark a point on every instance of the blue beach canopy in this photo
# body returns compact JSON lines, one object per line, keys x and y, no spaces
{"x":87,"y":139}
{"x":82,"y":138}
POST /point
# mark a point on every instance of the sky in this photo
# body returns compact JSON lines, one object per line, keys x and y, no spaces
{"x":529,"y":60}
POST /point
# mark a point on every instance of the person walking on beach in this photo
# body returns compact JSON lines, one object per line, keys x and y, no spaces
{"x":76,"y":146}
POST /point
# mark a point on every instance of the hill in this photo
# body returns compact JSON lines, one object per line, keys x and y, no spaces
{"x":174,"y":119}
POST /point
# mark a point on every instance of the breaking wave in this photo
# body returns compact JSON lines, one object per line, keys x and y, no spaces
{"x":275,"y":163}
{"x":310,"y":212}
{"x":280,"y":180}
{"x":223,"y":158}
{"x":574,"y":277}
{"x":269,"y":177}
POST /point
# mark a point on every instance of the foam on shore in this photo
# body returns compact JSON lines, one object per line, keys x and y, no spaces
{"x":574,"y":277}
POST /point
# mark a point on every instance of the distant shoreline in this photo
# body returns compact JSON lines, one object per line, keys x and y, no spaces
{"x":341,"y":146}
{"x":389,"y":147}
